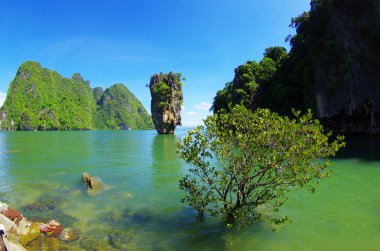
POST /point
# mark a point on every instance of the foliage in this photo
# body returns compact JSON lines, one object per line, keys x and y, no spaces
{"x":165,"y":86}
{"x":40,"y":99}
{"x":98,"y":93}
{"x":120,"y":109}
{"x":241,"y":161}
{"x":330,"y":38}
{"x":248,"y":78}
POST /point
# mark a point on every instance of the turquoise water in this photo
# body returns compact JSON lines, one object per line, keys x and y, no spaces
{"x":142,"y":199}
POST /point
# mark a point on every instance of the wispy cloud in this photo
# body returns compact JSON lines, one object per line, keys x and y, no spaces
{"x":192,"y":118}
{"x":191,"y":113}
{"x":204,"y":106}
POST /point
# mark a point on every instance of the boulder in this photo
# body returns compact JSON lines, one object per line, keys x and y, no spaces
{"x":28,"y":232}
{"x":53,"y":244}
{"x":12,"y":246}
{"x":93,"y":183}
{"x":7,"y":223}
{"x":53,"y":228}
{"x":13,"y":215}
{"x":2,"y":233}
{"x":68,"y":234}
{"x":85,"y":177}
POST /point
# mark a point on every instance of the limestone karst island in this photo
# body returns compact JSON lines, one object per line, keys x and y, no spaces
{"x":190,"y":125}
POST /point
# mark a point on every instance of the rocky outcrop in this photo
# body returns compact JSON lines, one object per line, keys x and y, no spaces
{"x":167,"y":98}
{"x":332,"y":68}
{"x":347,"y":84}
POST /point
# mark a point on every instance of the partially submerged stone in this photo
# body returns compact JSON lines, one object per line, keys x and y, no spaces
{"x":68,"y":234}
{"x":85,"y":177}
{"x":28,"y":233}
{"x":53,"y":228}
{"x":94,"y":183}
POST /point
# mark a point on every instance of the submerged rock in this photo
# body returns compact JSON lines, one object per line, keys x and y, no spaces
{"x":68,"y":234}
{"x":47,"y":208}
{"x":119,"y":239}
{"x":167,"y":98}
{"x":96,"y":240}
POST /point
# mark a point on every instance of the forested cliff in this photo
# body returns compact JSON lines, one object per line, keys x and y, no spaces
{"x":332,"y":68}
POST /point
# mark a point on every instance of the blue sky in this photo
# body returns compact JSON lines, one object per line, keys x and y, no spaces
{"x":125,"y":41}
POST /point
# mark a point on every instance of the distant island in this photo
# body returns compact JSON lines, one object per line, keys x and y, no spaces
{"x":41,"y":99}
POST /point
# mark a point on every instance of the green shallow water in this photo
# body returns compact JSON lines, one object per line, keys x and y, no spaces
{"x":142,"y":200}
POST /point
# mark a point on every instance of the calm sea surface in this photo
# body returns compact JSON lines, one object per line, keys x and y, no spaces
{"x":141,"y":209}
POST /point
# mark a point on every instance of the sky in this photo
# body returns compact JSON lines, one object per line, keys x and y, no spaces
{"x":126,"y":41}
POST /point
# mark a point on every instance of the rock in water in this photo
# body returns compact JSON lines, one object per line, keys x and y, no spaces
{"x":53,"y":228}
{"x":11,"y":213}
{"x":167,"y":98}
{"x":68,"y":235}
{"x":28,"y":232}
{"x":85,"y":177}
{"x":94,"y":184}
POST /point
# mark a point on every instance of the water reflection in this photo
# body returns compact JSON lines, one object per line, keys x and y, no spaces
{"x":365,"y":148}
{"x":166,"y":165}
{"x":5,"y":187}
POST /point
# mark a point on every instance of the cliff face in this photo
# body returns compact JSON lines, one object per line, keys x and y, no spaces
{"x":40,"y":99}
{"x":346,"y":84}
{"x":332,"y":68}
{"x":167,"y":98}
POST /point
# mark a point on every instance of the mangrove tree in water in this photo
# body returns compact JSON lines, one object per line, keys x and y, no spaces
{"x":243,"y":160}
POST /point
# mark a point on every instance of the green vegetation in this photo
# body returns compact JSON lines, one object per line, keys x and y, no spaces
{"x":241,"y":161}
{"x":40,"y":99}
{"x":164,"y":86}
{"x":334,"y":55}
{"x":248,"y":78}
{"x":120,"y":109}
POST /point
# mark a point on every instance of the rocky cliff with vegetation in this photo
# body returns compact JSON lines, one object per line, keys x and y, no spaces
{"x":41,"y":99}
{"x":167,"y":98}
{"x":331,"y":68}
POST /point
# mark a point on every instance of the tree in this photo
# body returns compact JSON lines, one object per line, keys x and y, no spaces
{"x":243,"y":160}
{"x":248,"y":78}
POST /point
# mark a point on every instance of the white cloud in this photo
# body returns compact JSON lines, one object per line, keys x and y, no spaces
{"x":204,"y":106}
{"x":191,"y":114}
{"x":2,"y":98}
{"x":192,"y":119}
